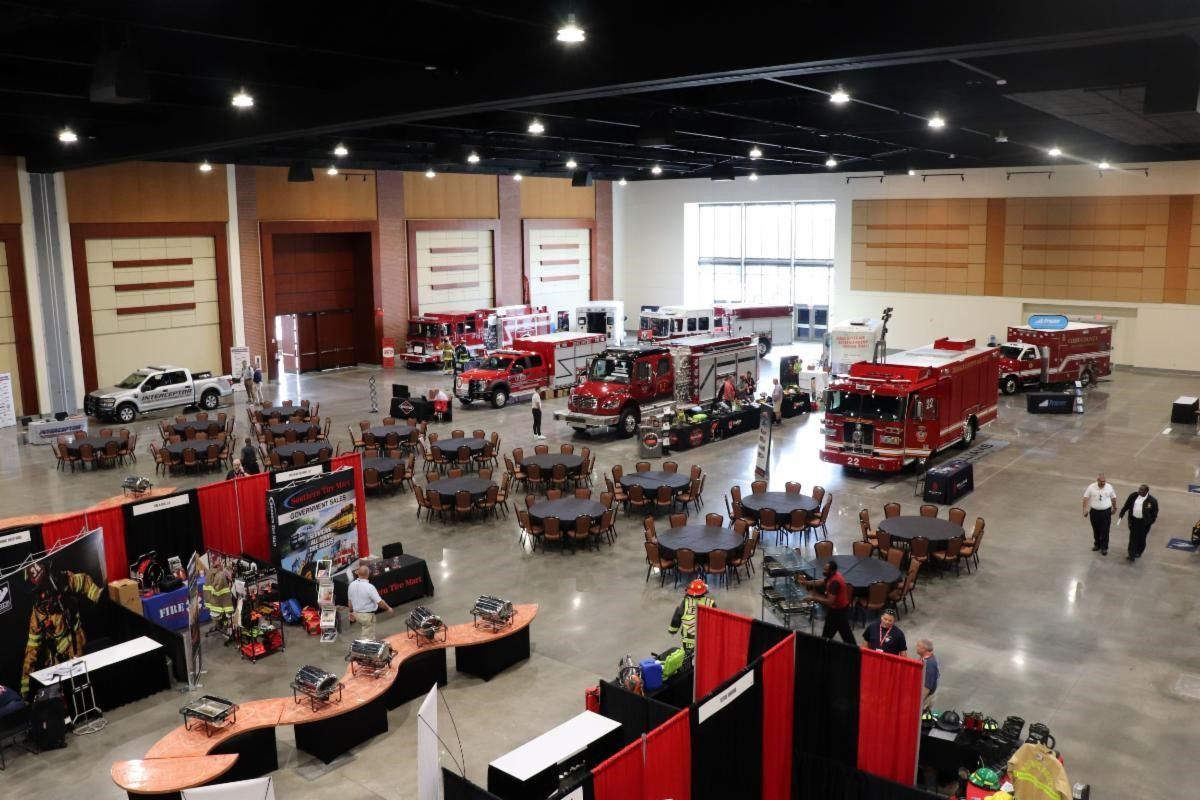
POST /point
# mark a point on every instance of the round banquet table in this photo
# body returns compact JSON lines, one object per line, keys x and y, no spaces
{"x":310,"y":449}
{"x":282,"y":411}
{"x":859,"y":573}
{"x":380,"y":432}
{"x":384,"y":465}
{"x":566,"y":509}
{"x":181,"y":428}
{"x":934,"y":529}
{"x":199,"y":445}
{"x":650,"y":481}
{"x":449,"y":487}
{"x":701,"y":539}
{"x":450,"y":446}
{"x":547,"y":462}
{"x":98,"y":443}
{"x":782,"y":503}
{"x":301,"y":428}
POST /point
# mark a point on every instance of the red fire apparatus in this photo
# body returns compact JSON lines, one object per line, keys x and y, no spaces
{"x":1082,"y":351}
{"x":475,"y":330}
{"x":885,"y":416}
{"x":623,"y":384}
{"x":771,"y":324}
{"x":532,"y":363}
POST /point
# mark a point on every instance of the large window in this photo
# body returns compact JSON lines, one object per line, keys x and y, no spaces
{"x":765,"y":253}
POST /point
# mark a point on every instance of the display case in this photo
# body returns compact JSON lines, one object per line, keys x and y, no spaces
{"x":781,"y":595}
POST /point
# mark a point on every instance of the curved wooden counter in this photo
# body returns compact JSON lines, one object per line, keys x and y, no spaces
{"x":180,"y":760}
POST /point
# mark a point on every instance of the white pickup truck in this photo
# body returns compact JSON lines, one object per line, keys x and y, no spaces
{"x":153,"y":388}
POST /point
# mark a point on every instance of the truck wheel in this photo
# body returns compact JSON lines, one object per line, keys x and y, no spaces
{"x":1010,"y":385}
{"x":466,"y":403}
{"x":968,"y":432}
{"x":499,"y":398}
{"x":627,"y":425}
{"x":764,"y":347}
{"x":1085,"y":378}
{"x":127,"y":412}
{"x":210,"y":400}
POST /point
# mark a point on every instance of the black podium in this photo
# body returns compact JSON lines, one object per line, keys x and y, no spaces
{"x":330,"y":737}
{"x":489,"y":659}
{"x":1185,"y":410}
{"x":947,"y":482}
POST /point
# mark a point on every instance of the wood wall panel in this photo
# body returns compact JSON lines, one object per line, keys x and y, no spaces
{"x":1179,"y":240}
{"x":10,"y":195}
{"x":450,"y":196}
{"x":145,"y":191}
{"x":556,"y":198}
{"x":336,"y":197}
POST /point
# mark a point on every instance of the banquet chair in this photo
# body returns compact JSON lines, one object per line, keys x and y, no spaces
{"x":637,"y":499}
{"x":552,"y":532}
{"x":797,"y":522}
{"x":735,"y":493}
{"x":875,"y":600}
{"x":696,"y":471}
{"x":884,"y":545}
{"x":904,"y":592}
{"x":487,"y":504}
{"x":670,"y":466}
{"x":458,"y":434}
{"x":212,"y":456}
{"x":821,"y":518}
{"x":581,"y":532}
{"x":620,"y":496}
{"x":677,"y":519}
{"x":478,"y":433}
{"x":767,"y":523}
{"x":530,"y":501}
{"x":951,"y":555}
{"x":664,"y":499}
{"x":463,"y":505}
{"x":606,"y":499}
{"x":190,"y":462}
{"x":792,"y":487}
{"x":502,"y":497}
{"x":929,"y":510}
{"x":430,"y":477}
{"x":586,"y":468}
{"x":199,"y":436}
{"x":370,"y":446}
{"x":110,"y":455}
{"x":558,"y":477}
{"x":287,"y":403}
{"x":861,"y":549}
{"x":648,"y":528}
{"x":463,"y":458}
{"x":566,"y":449}
{"x":583,"y":493}
{"x":274,"y":460}
{"x":80,"y":435}
{"x":392,"y":440}
{"x":978,"y":529}
{"x":758,"y":487}
{"x":485,"y":473}
{"x":422,"y":501}
{"x":125,"y":449}
{"x":105,"y":433}
{"x":62,"y":462}
{"x":324,"y":454}
{"x":689,"y":496}
{"x":541,"y":449}
{"x":533,"y":478}
{"x":528,"y":530}
{"x":440,"y":459}
{"x":289,"y":434}
{"x":397,"y":478}
{"x":656,"y":559}
{"x":895,"y":557}
{"x":454,"y":473}
{"x":823,"y":549}
{"x":299,"y":459}
{"x":87,"y":455}
{"x":717,"y":566}
{"x":739,"y":558}
{"x":700,"y":490}
{"x":518,"y":454}
{"x":686,"y":565}
{"x":554,"y":494}
{"x":436,"y":505}
{"x":517,"y":473}
{"x":606,"y":527}
{"x":371,"y":481}
{"x":642,"y":466}
{"x":891,"y":510}
{"x":818,"y":494}
{"x":957,"y":515}
{"x":486,"y":457}
{"x":617,"y":472}
{"x":714,"y":520}
{"x":970,"y":552}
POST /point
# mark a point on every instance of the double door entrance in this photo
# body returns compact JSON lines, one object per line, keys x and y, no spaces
{"x":316,"y":340}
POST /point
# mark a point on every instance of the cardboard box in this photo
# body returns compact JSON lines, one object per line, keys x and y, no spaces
{"x":125,"y":592}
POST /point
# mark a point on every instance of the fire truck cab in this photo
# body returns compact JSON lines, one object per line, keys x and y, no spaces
{"x":884,"y":416}
{"x":1080,"y":351}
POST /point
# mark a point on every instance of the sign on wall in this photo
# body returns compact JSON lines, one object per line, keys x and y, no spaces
{"x":238,"y":355}
{"x":1048,"y":322}
{"x":8,"y":411}
{"x":312,"y":520}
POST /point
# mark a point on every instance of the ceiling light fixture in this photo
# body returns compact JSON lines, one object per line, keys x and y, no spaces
{"x":1054,"y":152}
{"x":1000,"y":138}
{"x":622,"y":182}
{"x":518,"y":177}
{"x":332,"y":171}
{"x":242,"y":99}
{"x":68,"y":136}
{"x":912,"y":172}
{"x":429,"y":173}
{"x":206,"y":167}
{"x":839,"y":96}
{"x":571,"y":164}
{"x":473,"y":158}
{"x":753,"y":176}
{"x":936,"y":121}
{"x":340,"y":150}
{"x":537,"y":127}
{"x":656,"y":170}
{"x":831,"y":162}
{"x":571,"y":33}
{"x":755,"y":152}
{"x":1104,"y":165}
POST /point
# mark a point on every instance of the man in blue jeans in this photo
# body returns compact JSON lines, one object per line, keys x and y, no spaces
{"x":933,"y":672}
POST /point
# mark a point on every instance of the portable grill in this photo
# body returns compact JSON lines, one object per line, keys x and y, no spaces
{"x":370,"y":657}
{"x":209,"y":713}
{"x":317,"y":685}
{"x":425,"y":626}
{"x":135,"y":486}
{"x":492,"y":612}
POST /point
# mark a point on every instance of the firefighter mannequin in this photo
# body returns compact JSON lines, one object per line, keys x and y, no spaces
{"x":684,"y":620}
{"x":218,"y":596}
{"x":55,"y":630}
{"x":447,"y":357}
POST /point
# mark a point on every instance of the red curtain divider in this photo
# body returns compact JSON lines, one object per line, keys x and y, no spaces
{"x":219,"y":516}
{"x":354,"y":460}
{"x":668,"y":767}
{"x":55,"y":530}
{"x":112,"y":520}
{"x":722,"y":647}
{"x":889,"y":715}
{"x":778,"y":678}
{"x":620,"y":777}
{"x":252,"y":512}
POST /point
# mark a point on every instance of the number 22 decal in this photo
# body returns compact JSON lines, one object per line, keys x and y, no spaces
{"x":852,"y":461}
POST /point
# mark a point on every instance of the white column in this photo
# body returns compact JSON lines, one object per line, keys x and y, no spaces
{"x":33,"y":290}
{"x":67,"y":266}
{"x":234,"y":259}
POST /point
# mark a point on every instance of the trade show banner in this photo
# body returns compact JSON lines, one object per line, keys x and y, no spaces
{"x":315,"y":519}
{"x":50,"y":605}
{"x":429,"y":775}
{"x":762,"y":458}
{"x":8,"y":411}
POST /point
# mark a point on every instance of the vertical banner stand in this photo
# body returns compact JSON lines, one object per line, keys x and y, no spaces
{"x":762,"y":462}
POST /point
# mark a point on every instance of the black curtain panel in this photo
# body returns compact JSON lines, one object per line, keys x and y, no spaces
{"x":814,"y":776}
{"x":764,"y":636}
{"x":727,"y":744}
{"x":457,"y":787}
{"x":169,"y":525}
{"x":636,"y":713}
{"x":826,"y":708}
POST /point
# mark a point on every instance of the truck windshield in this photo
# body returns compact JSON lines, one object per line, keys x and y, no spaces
{"x":613,"y":370}
{"x":866,"y":406}
{"x":133,"y":381}
{"x":1010,"y":351}
{"x":423,"y":330}
{"x":497,"y":362}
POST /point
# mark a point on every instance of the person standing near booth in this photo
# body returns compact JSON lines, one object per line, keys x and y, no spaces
{"x":1142,"y":508}
{"x":933,"y":672}
{"x":248,"y":381}
{"x":1099,"y":506}
{"x":537,"y":414}
{"x":684,"y":620}
{"x":258,"y":395}
{"x":835,"y":597}
{"x":365,"y":602}
{"x":777,"y":401}
{"x":249,"y":458}
{"x":885,"y":635}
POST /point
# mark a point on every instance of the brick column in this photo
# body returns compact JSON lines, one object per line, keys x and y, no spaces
{"x":251,"y":258}
{"x":393,"y":254}
{"x":602,"y":267}
{"x":510,"y":256}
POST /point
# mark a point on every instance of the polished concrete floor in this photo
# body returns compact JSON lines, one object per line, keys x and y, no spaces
{"x":1101,"y":650}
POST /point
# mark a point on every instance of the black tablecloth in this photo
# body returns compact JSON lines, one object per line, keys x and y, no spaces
{"x":450,"y":446}
{"x":449,"y":487}
{"x":947,"y":482}
{"x":175,"y":449}
{"x":685,"y":437}
{"x":380,"y":432}
{"x":547,"y":462}
{"x":384,"y":465}
{"x":283,"y":411}
{"x":488,"y":659}
{"x":909,"y":527}
{"x":181,"y":428}
{"x":566,"y":509}
{"x":796,"y":404}
{"x":301,"y":428}
{"x":650,"y":481}
{"x":782,"y":503}
{"x":331,"y":737}
{"x":418,"y":408}
{"x":98,"y":443}
{"x":125,"y":681}
{"x":700,"y":538}
{"x":859,"y":573}
{"x":735,"y":422}
{"x":406,"y":582}
{"x":310,"y":450}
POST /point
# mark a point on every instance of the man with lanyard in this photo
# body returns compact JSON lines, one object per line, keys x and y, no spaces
{"x":885,"y":635}
{"x":365,"y":601}
{"x":836,"y":599}
{"x":684,"y":620}
{"x":1099,"y":505}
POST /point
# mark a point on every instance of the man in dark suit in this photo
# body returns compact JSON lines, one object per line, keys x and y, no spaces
{"x":1142,"y":508}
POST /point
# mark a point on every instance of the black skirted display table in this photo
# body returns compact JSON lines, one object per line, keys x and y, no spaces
{"x":531,"y":771}
{"x":329,"y":738}
{"x":1050,"y":403}
{"x":488,"y":659}
{"x":118,"y":675}
{"x":719,"y":425}
{"x":796,"y":404}
{"x":418,"y":408}
{"x":947,"y":482}
{"x":404,"y":582}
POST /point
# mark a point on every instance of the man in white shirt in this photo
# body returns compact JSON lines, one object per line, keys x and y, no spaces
{"x":1142,"y":508}
{"x":777,"y":401}
{"x":248,"y":381}
{"x":365,"y":602}
{"x":537,"y":415}
{"x":1099,"y":506}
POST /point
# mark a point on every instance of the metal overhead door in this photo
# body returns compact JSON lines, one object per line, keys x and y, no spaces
{"x":560,"y":269}
{"x":454,"y":270}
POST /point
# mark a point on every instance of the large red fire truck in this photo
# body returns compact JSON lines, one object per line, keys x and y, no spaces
{"x":883,"y":416}
{"x":771,"y":324}
{"x":474,"y":330}
{"x":1082,"y":351}
{"x":623,"y":384}
{"x":552,"y":360}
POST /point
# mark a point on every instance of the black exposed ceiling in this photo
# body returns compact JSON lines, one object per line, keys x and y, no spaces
{"x":691,"y":87}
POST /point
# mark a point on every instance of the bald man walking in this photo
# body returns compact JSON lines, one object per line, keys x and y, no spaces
{"x":1099,"y":506}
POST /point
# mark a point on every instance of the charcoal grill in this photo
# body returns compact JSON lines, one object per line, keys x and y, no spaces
{"x":370,"y":657}
{"x":209,"y":713}
{"x":317,"y":686}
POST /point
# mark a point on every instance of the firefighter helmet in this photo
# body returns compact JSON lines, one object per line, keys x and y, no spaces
{"x":697,"y":588}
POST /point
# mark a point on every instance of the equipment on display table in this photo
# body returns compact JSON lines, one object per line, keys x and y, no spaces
{"x":317,"y":685}
{"x":210,"y":713}
{"x":149,"y":574}
{"x":370,"y":657}
{"x":492,"y":612}
{"x":424,"y":626}
{"x":629,"y":675}
{"x":135,"y":486}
